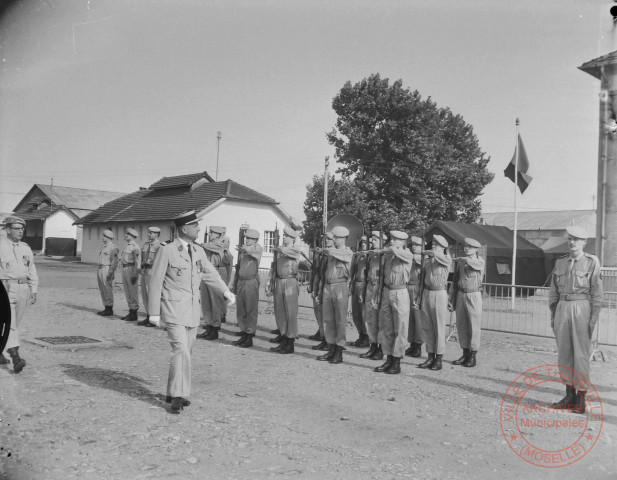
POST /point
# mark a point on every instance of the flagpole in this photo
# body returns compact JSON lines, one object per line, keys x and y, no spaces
{"x":515,"y":217}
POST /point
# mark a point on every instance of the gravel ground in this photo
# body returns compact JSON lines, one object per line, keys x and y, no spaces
{"x":98,"y":413}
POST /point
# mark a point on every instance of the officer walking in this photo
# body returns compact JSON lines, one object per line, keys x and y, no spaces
{"x":320,"y":259}
{"x":415,"y":335}
{"x":174,"y":298}
{"x":247,"y":294}
{"x":286,"y":291}
{"x":395,"y":303}
{"x":18,"y":274}
{"x":371,"y":315}
{"x":211,"y":299}
{"x":358,"y":281}
{"x":108,"y":262}
{"x":131,"y":259}
{"x":435,"y":301}
{"x":575,"y":300}
{"x":466,"y":300}
{"x":148,"y":254}
{"x":336,"y":295}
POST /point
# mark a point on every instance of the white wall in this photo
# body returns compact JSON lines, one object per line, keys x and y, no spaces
{"x":60,"y":225}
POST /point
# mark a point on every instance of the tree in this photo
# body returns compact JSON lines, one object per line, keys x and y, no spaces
{"x":410,"y":161}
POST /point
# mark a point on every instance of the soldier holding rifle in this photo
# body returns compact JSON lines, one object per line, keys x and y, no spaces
{"x":415,"y":335}
{"x":371,"y":315}
{"x":317,"y":272}
{"x":358,"y":284}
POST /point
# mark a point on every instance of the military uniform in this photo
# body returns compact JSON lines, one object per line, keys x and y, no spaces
{"x":211,"y":299}
{"x":19,"y":277}
{"x":130,"y":260}
{"x":148,"y":254}
{"x":225,"y":270}
{"x":107,"y":265}
{"x":358,"y":275}
{"x":371,"y":315}
{"x":248,"y":287}
{"x":415,"y":335}
{"x":575,"y":299}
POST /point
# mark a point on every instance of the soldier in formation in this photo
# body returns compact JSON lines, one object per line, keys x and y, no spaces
{"x":415,"y":335}
{"x":225,"y":270}
{"x":131,"y":260}
{"x":108,"y":263}
{"x":358,"y":282}
{"x":371,"y":288}
{"x":211,"y":300}
{"x":317,"y":270}
{"x":148,"y":254}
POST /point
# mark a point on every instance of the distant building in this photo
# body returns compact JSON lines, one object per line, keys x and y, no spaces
{"x":50,"y":212}
{"x":225,"y":203}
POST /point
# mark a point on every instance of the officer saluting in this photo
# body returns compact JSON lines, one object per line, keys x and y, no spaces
{"x":19,"y":277}
{"x":211,"y":301}
{"x":174,"y":297}
{"x":108,"y":262}
{"x":131,"y":259}
{"x":148,"y":254}
{"x":575,"y":300}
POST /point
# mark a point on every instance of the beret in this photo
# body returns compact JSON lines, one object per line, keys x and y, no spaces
{"x":340,"y":232}
{"x":329,"y":235}
{"x":154,"y":229}
{"x":185,"y":218}
{"x":399,"y":235}
{"x":109,"y":234}
{"x":132,"y":232}
{"x":440,"y":241}
{"x":470,"y":242}
{"x":215,"y":229}
{"x":416,"y":241}
{"x":290,"y":232}
{"x":250,"y":233}
{"x":578,"y":232}
{"x":11,"y":220}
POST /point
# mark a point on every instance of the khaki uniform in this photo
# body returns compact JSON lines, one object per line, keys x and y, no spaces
{"x":371,"y":315}
{"x":469,"y":271}
{"x":395,"y":303}
{"x":148,"y":254}
{"x":247,"y":296}
{"x":336,"y":295}
{"x":212,"y":300}
{"x":174,"y":296}
{"x":286,"y":291}
{"x":416,"y":329}
{"x":131,"y":259}
{"x":435,"y":301}
{"x":18,"y":274}
{"x":108,"y":262}
{"x":317,"y":308}
{"x":225,"y":269}
{"x":357,"y":305}
{"x":575,"y":298}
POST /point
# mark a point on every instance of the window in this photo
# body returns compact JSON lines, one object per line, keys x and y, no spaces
{"x":503,"y":268}
{"x":268,"y":241}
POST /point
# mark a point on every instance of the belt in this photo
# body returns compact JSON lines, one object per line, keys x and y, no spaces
{"x":101,"y":266}
{"x":336,"y":280}
{"x":469,"y":290}
{"x":247,"y":278}
{"x":146,"y":267}
{"x":128,"y":264}
{"x":569,"y":297}
{"x":283,"y":277}
{"x":17,"y":280}
{"x":360,"y":281}
{"x":434,"y":289}
{"x":395,"y":287}
{"x":412,"y":284}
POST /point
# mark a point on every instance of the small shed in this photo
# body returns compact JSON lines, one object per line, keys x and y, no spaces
{"x":499,"y":242}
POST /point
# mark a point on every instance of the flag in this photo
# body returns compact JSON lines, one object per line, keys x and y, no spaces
{"x":523,"y":179}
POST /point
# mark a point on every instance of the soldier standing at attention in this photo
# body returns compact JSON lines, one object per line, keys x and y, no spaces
{"x":395,"y":303}
{"x":320,"y":259}
{"x":415,"y":335}
{"x":435,"y":301}
{"x":286,"y":291}
{"x":371,"y":315}
{"x":575,"y":299}
{"x":467,"y":302}
{"x":225,"y":269}
{"x":335,"y":284}
{"x":358,"y":272}
{"x":108,"y":262}
{"x":211,"y":300}
{"x":174,"y":297}
{"x":148,"y":254}
{"x":247,"y":295}
{"x":18,"y":275}
{"x":131,"y":259}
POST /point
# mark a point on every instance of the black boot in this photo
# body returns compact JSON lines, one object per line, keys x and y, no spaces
{"x":288,"y":347}
{"x":109,"y":311}
{"x":317,"y":336}
{"x":463,"y":359}
{"x":205,"y":333}
{"x":327,"y":356}
{"x":429,"y":361}
{"x":145,"y":322}
{"x":362,"y":341}
{"x":177,"y":404}
{"x":471,"y":359}
{"x":241,"y":339}
{"x":276,"y":331}
{"x":280,"y":346}
{"x":277,"y":339}
{"x":409,"y":351}
{"x":18,"y":363}
{"x":248,"y":341}
{"x":372,"y":349}
{"x":323,"y":345}
{"x":131,"y":317}
{"x":3,"y":360}
{"x":568,"y":402}
{"x":185,"y":402}
{"x":213,"y":334}
{"x":437,"y":363}
{"x":338,"y":355}
{"x":579,"y":407}
{"x":417,"y":350}
{"x":224,"y":318}
{"x":378,"y":355}
{"x":386,"y":366}
{"x":395,"y":368}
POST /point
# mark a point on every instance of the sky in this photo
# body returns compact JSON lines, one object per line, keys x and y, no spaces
{"x":115,"y":94}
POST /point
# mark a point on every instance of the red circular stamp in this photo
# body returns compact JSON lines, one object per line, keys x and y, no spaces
{"x":541,"y":434}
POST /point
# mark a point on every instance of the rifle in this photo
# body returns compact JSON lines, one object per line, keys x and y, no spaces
{"x":422,"y":275}
{"x":272,"y":279}
{"x":455,"y":284}
{"x":241,"y":233}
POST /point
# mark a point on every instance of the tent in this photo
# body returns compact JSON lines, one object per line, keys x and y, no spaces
{"x":499,"y":244}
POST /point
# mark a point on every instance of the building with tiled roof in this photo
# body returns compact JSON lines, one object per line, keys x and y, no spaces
{"x":224,"y":203}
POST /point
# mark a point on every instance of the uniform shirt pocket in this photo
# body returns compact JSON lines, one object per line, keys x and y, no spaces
{"x":581,"y":280}
{"x":178,"y":270}
{"x":560,"y":279}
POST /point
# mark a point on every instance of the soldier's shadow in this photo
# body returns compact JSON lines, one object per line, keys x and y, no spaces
{"x":121,"y":382}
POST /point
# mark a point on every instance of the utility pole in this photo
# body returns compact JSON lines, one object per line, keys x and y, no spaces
{"x":218,"y":143}
{"x":325,"y":196}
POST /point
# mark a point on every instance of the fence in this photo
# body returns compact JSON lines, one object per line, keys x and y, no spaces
{"x":530,"y":315}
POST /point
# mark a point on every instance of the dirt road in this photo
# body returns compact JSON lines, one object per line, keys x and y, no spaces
{"x":98,"y":413}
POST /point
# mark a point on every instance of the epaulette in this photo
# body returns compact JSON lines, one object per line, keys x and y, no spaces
{"x":559,"y":258}
{"x":591,"y":256}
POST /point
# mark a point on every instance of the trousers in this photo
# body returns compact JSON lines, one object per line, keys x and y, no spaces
{"x":106,"y":288}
